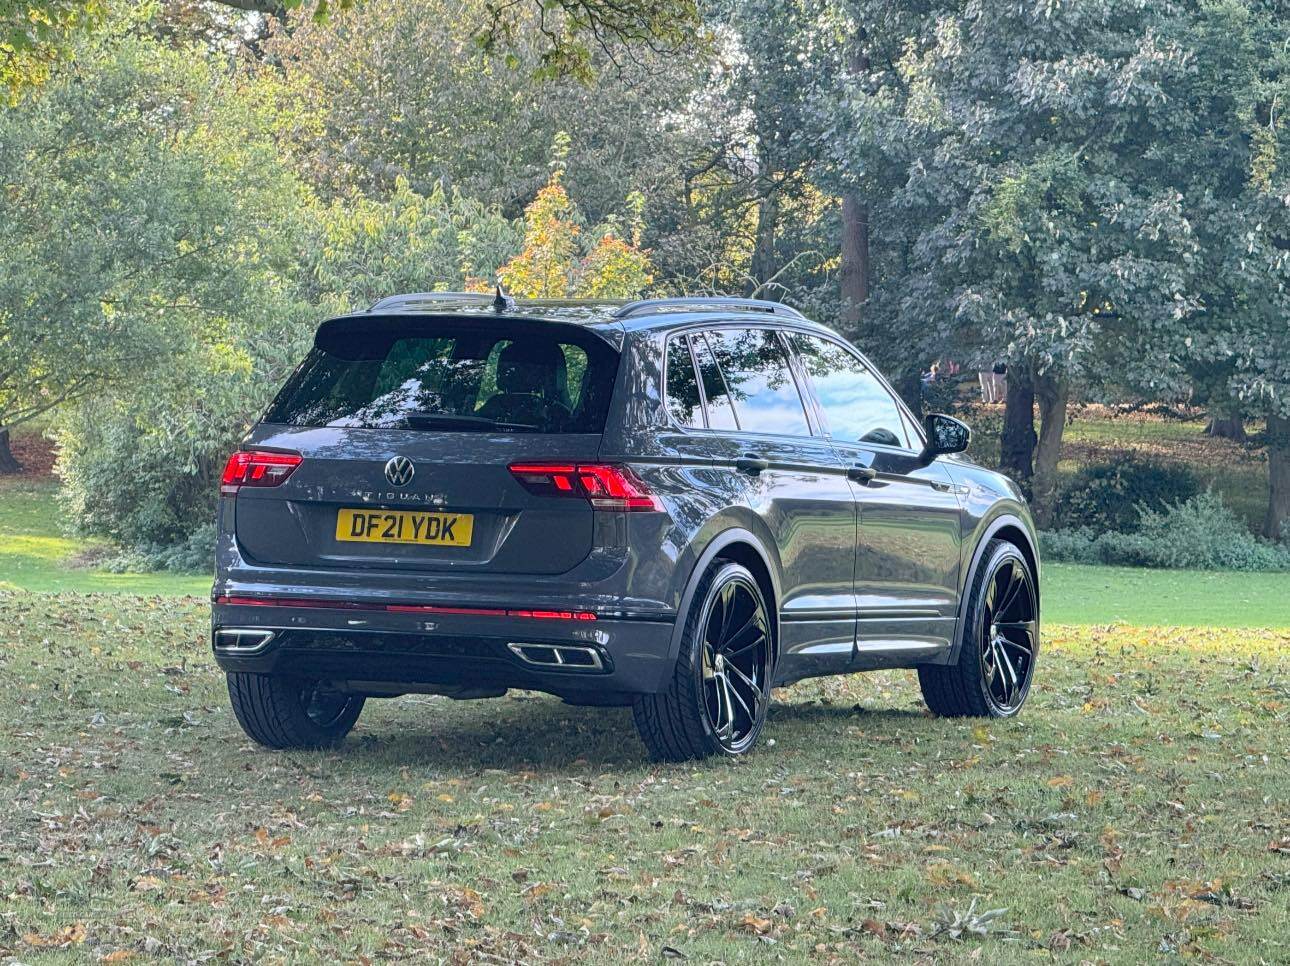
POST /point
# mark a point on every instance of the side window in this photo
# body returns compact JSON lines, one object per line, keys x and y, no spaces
{"x":683,"y":400}
{"x":857,"y":407}
{"x":721,"y":413}
{"x":760,"y":381}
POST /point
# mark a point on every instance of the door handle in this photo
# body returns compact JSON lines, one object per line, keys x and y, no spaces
{"x":752,"y":464}
{"x":862,"y":474}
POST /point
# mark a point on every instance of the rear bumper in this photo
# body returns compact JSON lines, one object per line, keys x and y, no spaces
{"x":604,"y":657}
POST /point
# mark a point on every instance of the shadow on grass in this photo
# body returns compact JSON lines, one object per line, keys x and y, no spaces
{"x":515,"y":735}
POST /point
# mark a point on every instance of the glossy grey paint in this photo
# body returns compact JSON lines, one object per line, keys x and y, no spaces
{"x":867,"y":574}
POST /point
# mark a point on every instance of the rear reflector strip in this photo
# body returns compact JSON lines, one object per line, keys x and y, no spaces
{"x":556,"y":615}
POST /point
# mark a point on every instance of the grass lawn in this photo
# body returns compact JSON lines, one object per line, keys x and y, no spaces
{"x":1139,"y":808}
{"x":34,"y":553}
{"x":1238,"y":472}
{"x":1079,"y":594}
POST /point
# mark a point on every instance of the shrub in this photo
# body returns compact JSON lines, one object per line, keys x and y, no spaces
{"x":141,"y":465}
{"x":194,"y":555}
{"x":1199,"y":534}
{"x":1107,"y":496}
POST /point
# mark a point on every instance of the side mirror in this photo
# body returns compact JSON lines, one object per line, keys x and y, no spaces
{"x":945,"y":434}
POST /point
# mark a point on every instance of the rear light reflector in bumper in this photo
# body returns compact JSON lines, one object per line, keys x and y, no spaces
{"x":435,"y":609}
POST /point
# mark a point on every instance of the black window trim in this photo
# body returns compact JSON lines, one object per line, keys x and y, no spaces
{"x":734,"y":410}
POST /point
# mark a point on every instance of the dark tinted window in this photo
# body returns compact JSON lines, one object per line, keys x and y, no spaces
{"x":760,"y":382}
{"x":857,"y":407}
{"x":682,"y":387}
{"x":721,"y":414}
{"x":451,"y":376}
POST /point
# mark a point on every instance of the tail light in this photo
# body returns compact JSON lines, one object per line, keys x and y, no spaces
{"x":257,"y":468}
{"x":604,"y":486}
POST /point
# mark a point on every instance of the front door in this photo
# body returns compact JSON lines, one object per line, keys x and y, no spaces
{"x":907,"y":547}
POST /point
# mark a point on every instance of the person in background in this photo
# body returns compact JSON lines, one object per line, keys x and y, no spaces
{"x":994,"y":384}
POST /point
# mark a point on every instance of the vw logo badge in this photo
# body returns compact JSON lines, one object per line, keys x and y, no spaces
{"x":399,"y":471}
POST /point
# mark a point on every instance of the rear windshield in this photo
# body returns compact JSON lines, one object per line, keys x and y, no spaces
{"x":481,"y":376}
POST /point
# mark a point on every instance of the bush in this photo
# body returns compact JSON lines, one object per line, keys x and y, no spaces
{"x":1199,"y":534}
{"x":193,"y":556}
{"x":140,"y":465}
{"x":1107,"y":496}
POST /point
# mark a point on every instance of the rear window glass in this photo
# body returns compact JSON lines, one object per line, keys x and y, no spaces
{"x":683,"y":400}
{"x":451,"y":376}
{"x":756,"y":371}
{"x":721,"y":412}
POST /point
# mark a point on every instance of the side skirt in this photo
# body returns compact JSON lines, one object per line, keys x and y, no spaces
{"x":818,"y":648}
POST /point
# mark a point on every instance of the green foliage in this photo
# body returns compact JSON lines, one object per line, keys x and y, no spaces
{"x":1041,"y":225}
{"x":370,"y":248}
{"x":150,"y":289}
{"x":141,"y":466}
{"x":1199,"y":534}
{"x":34,"y":33}
{"x":142,"y":211}
{"x":402,"y":89}
{"x":575,"y":32}
{"x":201,"y":267}
{"x":1110,"y":495}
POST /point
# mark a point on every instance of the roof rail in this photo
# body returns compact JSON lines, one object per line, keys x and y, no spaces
{"x":715,"y":303}
{"x":414,"y":298}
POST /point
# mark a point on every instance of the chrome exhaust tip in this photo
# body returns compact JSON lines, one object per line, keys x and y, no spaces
{"x":242,"y":640}
{"x":566,"y":657}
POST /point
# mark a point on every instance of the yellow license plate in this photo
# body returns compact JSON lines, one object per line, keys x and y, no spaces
{"x":405,"y":526}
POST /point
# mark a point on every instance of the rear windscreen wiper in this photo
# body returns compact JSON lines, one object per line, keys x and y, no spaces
{"x":460,"y":421}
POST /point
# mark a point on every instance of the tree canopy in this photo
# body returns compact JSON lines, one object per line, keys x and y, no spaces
{"x":1093,"y":192}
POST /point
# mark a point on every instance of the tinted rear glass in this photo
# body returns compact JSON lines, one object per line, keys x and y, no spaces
{"x":450,"y":375}
{"x":682,"y":387}
{"x":756,"y":370}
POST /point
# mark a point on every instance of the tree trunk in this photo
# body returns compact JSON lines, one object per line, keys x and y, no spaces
{"x":1051,"y":393}
{"x":1226,"y":427}
{"x":854,"y":276}
{"x":1277,"y":524}
{"x":8,"y":462}
{"x":910,"y":386}
{"x":763,"y":266}
{"x":1017,"y":442}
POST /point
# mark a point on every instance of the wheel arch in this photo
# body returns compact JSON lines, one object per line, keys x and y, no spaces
{"x":742,"y":547}
{"x":1016,"y":531}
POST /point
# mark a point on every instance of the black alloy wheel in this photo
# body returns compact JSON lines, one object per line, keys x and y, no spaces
{"x":736,"y":663}
{"x":289,"y":712}
{"x":323,"y":704}
{"x":1009,"y":634}
{"x":996,"y":660}
{"x":717,"y":698}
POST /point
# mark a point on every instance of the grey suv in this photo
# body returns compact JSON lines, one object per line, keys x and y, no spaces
{"x":675,"y":504}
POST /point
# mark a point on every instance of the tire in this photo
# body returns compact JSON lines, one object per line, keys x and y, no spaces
{"x":289,"y":712}
{"x":716,"y":700}
{"x":996,"y":662}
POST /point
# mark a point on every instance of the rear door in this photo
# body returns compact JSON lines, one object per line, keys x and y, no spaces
{"x":797,"y":484}
{"x":408,"y":427}
{"x":907,"y":551}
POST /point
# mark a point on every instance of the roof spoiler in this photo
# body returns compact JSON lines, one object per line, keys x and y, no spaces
{"x":395,"y":303}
